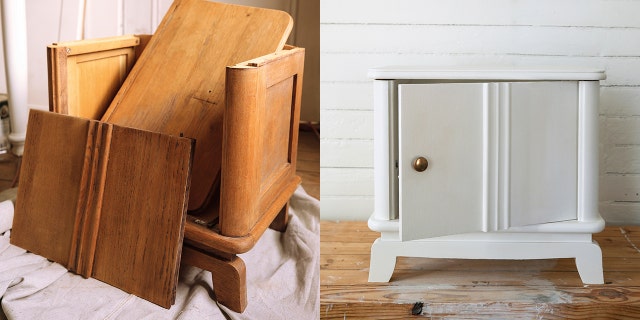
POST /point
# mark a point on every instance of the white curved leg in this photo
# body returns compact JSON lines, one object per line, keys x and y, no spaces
{"x":589,"y":264}
{"x":383,"y":261}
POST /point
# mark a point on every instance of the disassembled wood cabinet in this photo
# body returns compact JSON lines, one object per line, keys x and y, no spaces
{"x":486,"y":164}
{"x":192,"y":160}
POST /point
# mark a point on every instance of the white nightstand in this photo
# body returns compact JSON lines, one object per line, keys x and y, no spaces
{"x":486,"y":163}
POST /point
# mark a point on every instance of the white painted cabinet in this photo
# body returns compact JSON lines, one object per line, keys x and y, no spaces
{"x":498,"y":161}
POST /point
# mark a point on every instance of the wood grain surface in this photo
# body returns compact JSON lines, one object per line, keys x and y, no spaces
{"x":177,"y":86}
{"x":95,"y":196}
{"x":475,"y":289}
{"x":84,"y":76}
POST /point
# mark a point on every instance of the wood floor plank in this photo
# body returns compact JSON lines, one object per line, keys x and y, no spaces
{"x":475,"y":289}
{"x":308,"y":164}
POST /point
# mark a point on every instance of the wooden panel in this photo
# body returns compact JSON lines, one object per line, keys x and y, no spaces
{"x":84,"y":76}
{"x":117,"y":182}
{"x":177,"y":85}
{"x":276,"y":117}
{"x":260,"y":139}
{"x":45,"y":210}
{"x":478,"y":289}
{"x":146,"y":185}
{"x":90,"y":85}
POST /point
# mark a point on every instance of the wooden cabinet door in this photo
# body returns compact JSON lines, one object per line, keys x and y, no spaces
{"x":444,"y":124}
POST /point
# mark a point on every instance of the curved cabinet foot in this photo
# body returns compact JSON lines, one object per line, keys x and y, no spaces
{"x":589,"y":263}
{"x":383,"y":261}
{"x":229,"y":276}
{"x":229,"y":284}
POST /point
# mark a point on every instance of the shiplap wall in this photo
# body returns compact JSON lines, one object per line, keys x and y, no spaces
{"x":359,"y":34}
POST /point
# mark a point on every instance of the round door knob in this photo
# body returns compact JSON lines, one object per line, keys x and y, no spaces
{"x":420,"y":164}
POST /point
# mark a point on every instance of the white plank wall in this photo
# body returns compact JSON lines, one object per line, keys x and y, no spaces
{"x":359,"y":34}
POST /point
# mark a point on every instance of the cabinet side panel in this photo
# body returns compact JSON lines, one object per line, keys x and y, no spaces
{"x":444,"y":124}
{"x":588,"y":151}
{"x":543,"y":148}
{"x":385,"y":172}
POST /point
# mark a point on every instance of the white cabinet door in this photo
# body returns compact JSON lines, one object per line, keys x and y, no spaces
{"x":499,"y":155}
{"x":543,"y":152}
{"x":443,"y":124}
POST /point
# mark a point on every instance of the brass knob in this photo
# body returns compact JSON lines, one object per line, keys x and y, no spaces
{"x":420,"y":164}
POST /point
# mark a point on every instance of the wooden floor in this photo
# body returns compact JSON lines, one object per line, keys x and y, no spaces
{"x":475,"y":289}
{"x":308,"y":165}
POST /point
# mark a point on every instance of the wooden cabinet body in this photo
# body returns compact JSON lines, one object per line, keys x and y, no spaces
{"x":511,"y":165}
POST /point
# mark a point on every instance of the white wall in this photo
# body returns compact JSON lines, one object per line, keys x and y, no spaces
{"x":50,"y":21}
{"x":359,"y":34}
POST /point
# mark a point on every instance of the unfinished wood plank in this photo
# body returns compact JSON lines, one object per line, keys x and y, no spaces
{"x":45,"y":210}
{"x":117,"y":182}
{"x":178,"y":84}
{"x":145,"y":195}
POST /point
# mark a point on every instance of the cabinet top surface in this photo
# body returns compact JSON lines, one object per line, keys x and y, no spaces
{"x":489,"y":73}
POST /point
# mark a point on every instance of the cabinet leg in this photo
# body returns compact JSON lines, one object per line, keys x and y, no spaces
{"x":228,"y":273}
{"x":281,"y":220}
{"x":589,"y":263}
{"x":230,"y":285}
{"x":382,"y":263}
